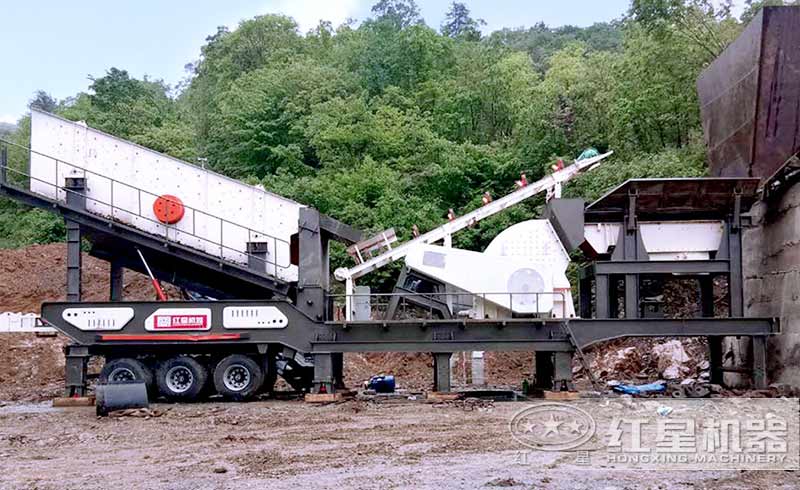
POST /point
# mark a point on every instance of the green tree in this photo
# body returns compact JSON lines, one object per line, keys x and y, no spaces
{"x":697,"y":21}
{"x":459,"y":24}
{"x":398,"y":13}
{"x":43,"y":102}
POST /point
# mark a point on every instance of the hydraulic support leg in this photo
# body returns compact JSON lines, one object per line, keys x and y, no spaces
{"x":562,"y":377}
{"x":543,"y":365}
{"x":441,"y":371}
{"x":338,"y":370}
{"x":77,"y":358}
{"x":323,"y":373}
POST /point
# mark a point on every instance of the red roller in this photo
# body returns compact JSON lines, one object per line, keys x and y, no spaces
{"x":168,"y":209}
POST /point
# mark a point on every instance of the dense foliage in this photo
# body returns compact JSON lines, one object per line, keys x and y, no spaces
{"x":391,"y":122}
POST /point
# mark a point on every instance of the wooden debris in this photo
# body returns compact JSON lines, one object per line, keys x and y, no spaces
{"x":144,"y":413}
{"x":561,"y":395}
{"x":329,"y":397}
{"x":67,"y":402}
{"x":437,"y":396}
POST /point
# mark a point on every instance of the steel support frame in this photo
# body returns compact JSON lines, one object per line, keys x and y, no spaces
{"x":441,"y":371}
{"x":629,"y":260}
{"x":327,"y":341}
{"x":544,"y":370}
{"x":431,"y":304}
{"x":521,"y":334}
{"x":75,"y":187}
{"x":77,"y":360}
{"x":117,"y":281}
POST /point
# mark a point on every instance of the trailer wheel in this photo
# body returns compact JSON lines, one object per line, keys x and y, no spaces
{"x":125,"y":370}
{"x":181,"y":378}
{"x":238,"y":377}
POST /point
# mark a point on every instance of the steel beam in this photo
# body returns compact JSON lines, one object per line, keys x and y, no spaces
{"x":661,"y":267}
{"x":313,"y":276}
{"x":706,"y":286}
{"x":338,"y":230}
{"x":74,"y":187}
{"x":443,"y":336}
{"x":588,"y":332}
{"x":74,"y":260}
{"x":759,"y":362}
{"x":715,"y":360}
{"x":735,"y":282}
{"x":117,"y":281}
{"x":456,"y":346}
{"x":631,"y":296}
{"x":602,"y":302}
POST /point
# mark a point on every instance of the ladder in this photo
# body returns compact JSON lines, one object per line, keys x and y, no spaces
{"x":581,"y":357}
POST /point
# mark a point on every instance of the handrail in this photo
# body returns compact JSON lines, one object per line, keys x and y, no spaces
{"x":442,"y":298}
{"x":5,"y":168}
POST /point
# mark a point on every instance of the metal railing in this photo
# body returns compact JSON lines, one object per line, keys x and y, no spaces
{"x":116,"y":212}
{"x":427,"y":306}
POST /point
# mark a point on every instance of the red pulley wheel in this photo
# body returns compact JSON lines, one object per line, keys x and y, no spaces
{"x":168,"y":209}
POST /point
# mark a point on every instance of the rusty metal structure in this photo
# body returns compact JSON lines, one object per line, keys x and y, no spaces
{"x":750,"y":99}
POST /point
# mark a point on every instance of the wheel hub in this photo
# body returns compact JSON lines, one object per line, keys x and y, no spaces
{"x":236,"y":377}
{"x":121,"y":374}
{"x":179,"y":379}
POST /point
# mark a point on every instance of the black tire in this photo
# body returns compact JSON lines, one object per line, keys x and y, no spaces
{"x":124,"y":370}
{"x":238,"y":377}
{"x":181,"y":378}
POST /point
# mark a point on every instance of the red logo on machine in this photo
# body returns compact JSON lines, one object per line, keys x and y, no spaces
{"x":180,"y":322}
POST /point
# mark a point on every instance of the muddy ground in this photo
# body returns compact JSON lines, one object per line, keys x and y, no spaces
{"x":290,"y":444}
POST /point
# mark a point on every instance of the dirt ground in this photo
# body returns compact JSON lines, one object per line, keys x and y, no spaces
{"x":287,"y":443}
{"x":290,"y":444}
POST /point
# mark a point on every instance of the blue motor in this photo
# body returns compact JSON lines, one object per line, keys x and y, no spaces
{"x":381,"y":384}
